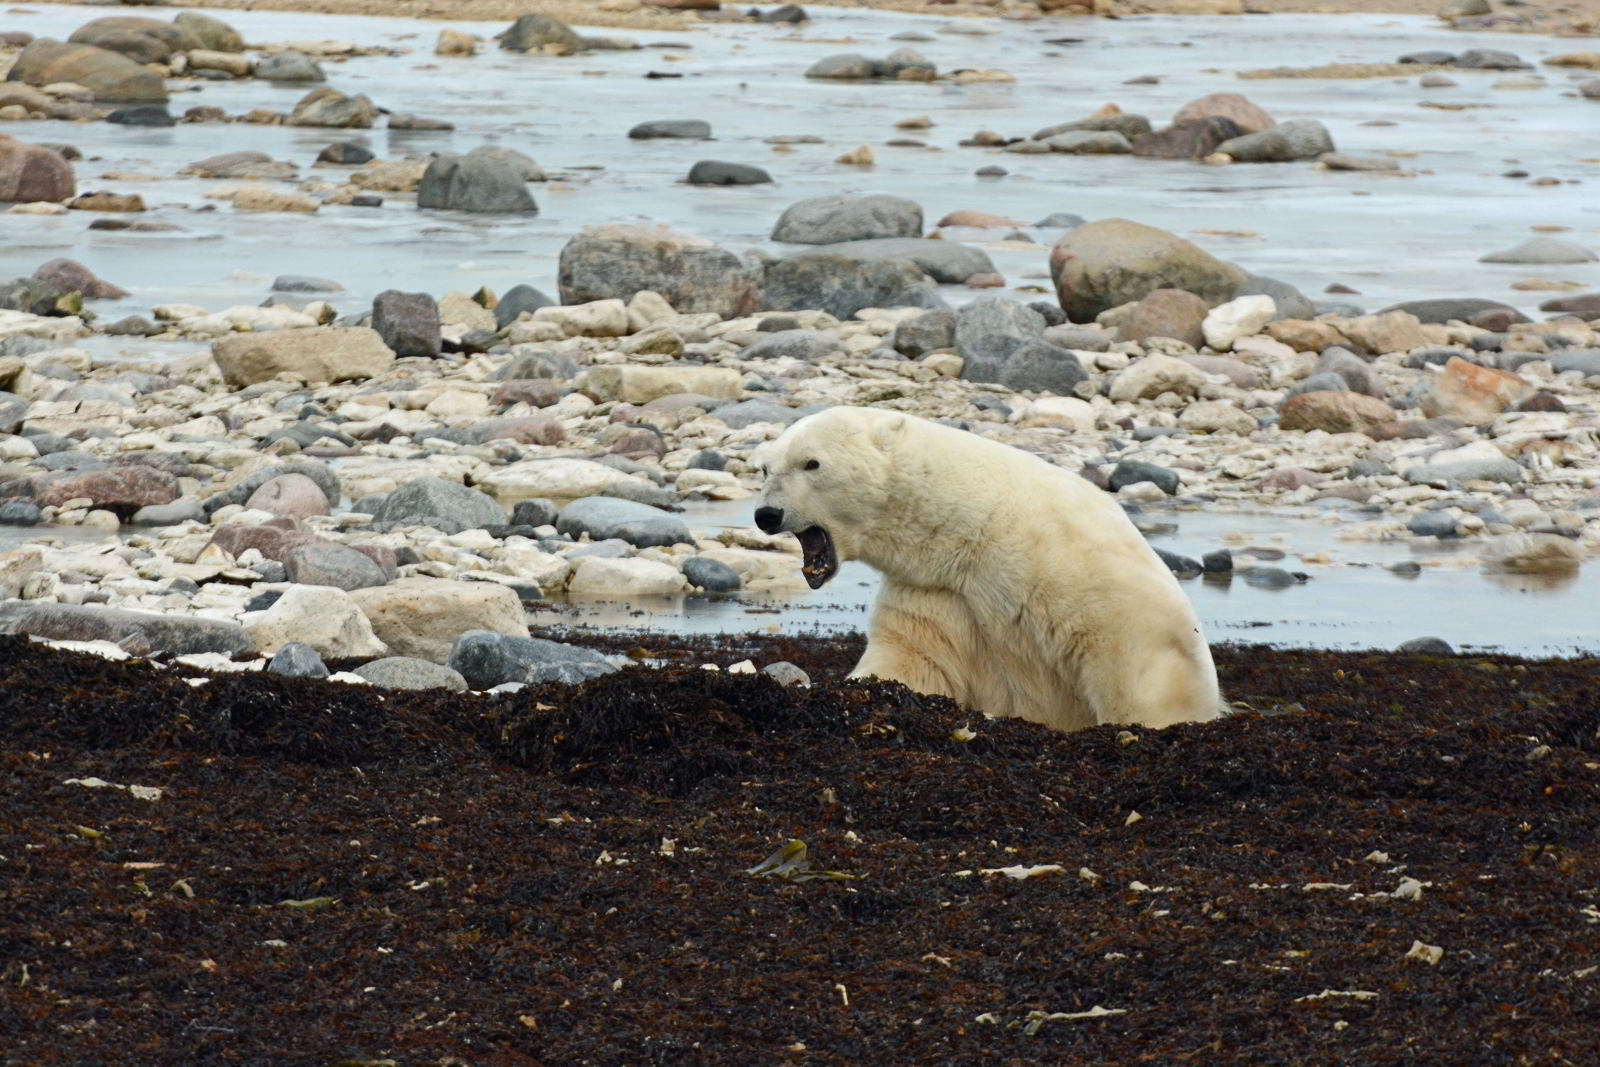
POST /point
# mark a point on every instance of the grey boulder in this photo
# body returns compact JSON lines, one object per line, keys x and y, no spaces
{"x":486,"y":659}
{"x":447,"y":506}
{"x":408,"y":672}
{"x":640,"y":525}
{"x":481,"y":181}
{"x":823,"y":220}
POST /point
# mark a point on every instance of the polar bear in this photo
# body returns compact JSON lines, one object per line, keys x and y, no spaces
{"x":1010,"y":585}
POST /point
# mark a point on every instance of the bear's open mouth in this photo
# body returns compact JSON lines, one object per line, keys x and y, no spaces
{"x":821,"y":562}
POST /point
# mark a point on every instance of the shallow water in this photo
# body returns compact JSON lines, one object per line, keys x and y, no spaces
{"x":1392,"y":238}
{"x":1352,"y":601}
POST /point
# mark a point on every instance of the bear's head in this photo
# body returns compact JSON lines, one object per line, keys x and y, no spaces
{"x":828,"y":483}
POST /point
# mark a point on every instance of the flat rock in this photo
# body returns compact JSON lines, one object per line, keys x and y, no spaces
{"x":406,"y":672}
{"x":422,"y":617}
{"x":602,"y":517}
{"x":621,"y":578}
{"x":318,"y":354}
{"x":944,"y":261}
{"x":1542,"y":251}
{"x":691,"y":129}
{"x":487,"y":659}
{"x":148,"y":631}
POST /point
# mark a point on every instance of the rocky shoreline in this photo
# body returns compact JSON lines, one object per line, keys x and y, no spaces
{"x":321,"y":486}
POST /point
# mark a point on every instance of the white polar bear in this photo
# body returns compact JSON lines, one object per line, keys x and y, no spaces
{"x":1010,"y":585}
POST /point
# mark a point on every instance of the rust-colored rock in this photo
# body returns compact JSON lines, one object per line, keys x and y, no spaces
{"x":1247,"y":116}
{"x":123,"y":490}
{"x":1474,"y":393}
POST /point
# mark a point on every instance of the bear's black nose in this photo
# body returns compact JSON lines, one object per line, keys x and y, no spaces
{"x":769,"y":519}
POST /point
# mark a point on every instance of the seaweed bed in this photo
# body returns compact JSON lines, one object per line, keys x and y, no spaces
{"x":331,"y":875}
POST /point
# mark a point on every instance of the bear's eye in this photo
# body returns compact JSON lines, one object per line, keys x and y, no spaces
{"x":812,"y":464}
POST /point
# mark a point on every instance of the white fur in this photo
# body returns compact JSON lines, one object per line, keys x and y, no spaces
{"x":1009,"y":584}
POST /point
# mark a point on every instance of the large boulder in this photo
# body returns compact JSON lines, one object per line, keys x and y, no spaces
{"x":1111,"y":262}
{"x":943,"y":261}
{"x":110,"y":75}
{"x":423,"y":617}
{"x":483,"y":180}
{"x":842,"y":286}
{"x":317,"y":354}
{"x":823,"y":220}
{"x":557,"y":479}
{"x":694,"y":275}
{"x":30,"y":172}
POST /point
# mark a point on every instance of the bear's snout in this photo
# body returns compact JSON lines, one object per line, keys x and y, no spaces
{"x":769,"y":519}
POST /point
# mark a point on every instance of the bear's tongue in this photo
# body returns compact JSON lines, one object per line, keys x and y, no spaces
{"x":821,"y":562}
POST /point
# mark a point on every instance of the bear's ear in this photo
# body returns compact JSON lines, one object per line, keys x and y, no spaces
{"x":886,"y":433}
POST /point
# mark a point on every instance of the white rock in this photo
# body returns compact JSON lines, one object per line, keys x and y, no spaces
{"x":598,"y":318}
{"x":1153,"y":375}
{"x":1216,"y":416}
{"x":1226,"y":323}
{"x":1060,"y":413}
{"x":16,"y":567}
{"x":640,"y":385}
{"x":718,"y":485}
{"x":422,"y":617}
{"x":558,"y":479}
{"x":625,"y":577}
{"x":646,"y":308}
{"x":527,"y":563}
{"x":321,"y":616}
